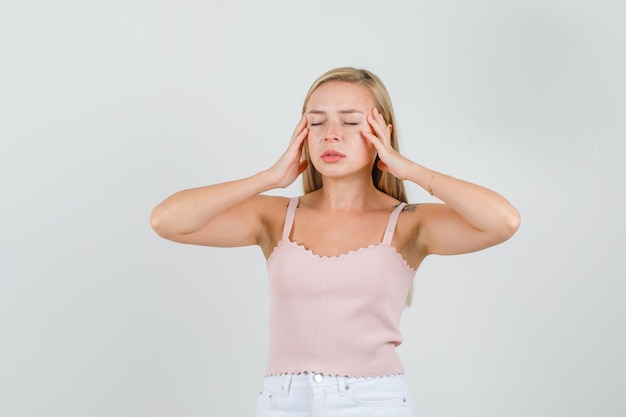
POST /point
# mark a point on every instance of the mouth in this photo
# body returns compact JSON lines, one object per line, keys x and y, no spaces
{"x":332,"y":156}
{"x":332,"y":153}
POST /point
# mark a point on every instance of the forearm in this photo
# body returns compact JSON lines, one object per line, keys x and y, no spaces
{"x":189,"y":210}
{"x":480,"y":207}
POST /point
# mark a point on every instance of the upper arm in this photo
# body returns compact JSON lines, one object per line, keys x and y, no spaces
{"x":443,"y":231}
{"x":251,"y":222}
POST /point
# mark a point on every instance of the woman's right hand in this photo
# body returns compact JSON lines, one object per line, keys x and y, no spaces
{"x":290,"y":165}
{"x":232,"y":213}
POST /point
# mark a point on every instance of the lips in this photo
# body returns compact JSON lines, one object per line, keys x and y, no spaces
{"x":332,"y":156}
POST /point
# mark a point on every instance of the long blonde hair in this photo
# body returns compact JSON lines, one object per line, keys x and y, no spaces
{"x":383,"y":181}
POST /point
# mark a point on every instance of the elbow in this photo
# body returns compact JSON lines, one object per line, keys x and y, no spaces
{"x":512,"y":223}
{"x":156,"y":222}
{"x":164,"y":225}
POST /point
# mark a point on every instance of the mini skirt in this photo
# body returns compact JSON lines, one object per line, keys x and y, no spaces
{"x":318,"y":395}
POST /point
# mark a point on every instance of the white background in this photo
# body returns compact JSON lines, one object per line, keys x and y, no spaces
{"x":108,"y":107}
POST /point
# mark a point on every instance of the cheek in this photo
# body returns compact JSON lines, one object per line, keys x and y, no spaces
{"x":367,"y":147}
{"x":313,"y":143}
{"x":314,"y":134}
{"x":311,"y":140}
{"x":365,"y":140}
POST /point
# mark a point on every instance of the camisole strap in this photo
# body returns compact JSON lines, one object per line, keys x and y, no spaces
{"x":291,"y":213}
{"x":391,"y":225}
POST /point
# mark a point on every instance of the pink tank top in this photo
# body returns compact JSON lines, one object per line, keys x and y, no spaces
{"x":336,"y":315}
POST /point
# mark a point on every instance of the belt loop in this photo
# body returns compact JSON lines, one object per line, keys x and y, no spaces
{"x":342,"y":386}
{"x":286,"y":386}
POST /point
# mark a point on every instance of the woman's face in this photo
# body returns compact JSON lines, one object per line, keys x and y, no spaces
{"x":337,"y":114}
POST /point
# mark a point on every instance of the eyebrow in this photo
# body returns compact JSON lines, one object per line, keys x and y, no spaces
{"x":346,"y":111}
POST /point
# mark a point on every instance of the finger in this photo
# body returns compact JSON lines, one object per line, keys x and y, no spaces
{"x":298,"y":140}
{"x":380,"y":119}
{"x":377,"y":122}
{"x":376,"y":130}
{"x":385,"y":127}
{"x":299,"y":127}
{"x":375,"y":140}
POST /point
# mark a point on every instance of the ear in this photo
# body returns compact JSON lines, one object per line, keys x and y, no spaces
{"x":389,"y":128}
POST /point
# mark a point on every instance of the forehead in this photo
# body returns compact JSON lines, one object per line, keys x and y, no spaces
{"x":336,"y":95}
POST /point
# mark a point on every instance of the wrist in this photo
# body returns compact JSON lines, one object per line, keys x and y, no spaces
{"x":265,"y":180}
{"x":425,"y":178}
{"x":430,"y":183}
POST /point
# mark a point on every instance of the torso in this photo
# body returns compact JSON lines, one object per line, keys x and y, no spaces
{"x":333,"y":233}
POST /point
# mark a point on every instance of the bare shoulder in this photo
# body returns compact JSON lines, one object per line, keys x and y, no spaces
{"x":270,"y":207}
{"x":419,"y":213}
{"x":415,"y":216}
{"x":271,"y":200}
{"x":410,"y":208}
{"x":409,"y":217}
{"x":422,"y":208}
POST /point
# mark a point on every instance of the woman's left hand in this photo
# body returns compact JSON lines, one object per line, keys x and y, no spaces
{"x":390,"y":160}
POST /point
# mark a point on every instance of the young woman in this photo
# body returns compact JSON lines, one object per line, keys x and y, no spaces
{"x":341,"y":258}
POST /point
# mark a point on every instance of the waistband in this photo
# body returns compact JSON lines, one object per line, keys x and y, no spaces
{"x":318,"y":380}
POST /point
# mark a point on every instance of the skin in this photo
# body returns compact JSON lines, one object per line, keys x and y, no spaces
{"x":348,"y":212}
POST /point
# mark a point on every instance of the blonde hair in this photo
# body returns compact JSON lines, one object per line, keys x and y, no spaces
{"x":383,"y":181}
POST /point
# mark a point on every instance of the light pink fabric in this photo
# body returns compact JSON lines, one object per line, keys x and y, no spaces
{"x":336,"y":315}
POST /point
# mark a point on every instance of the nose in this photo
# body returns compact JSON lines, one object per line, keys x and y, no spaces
{"x":333,"y":133}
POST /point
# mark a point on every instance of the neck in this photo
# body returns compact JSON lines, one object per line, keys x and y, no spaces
{"x":343,"y":195}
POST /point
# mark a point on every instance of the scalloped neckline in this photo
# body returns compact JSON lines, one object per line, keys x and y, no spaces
{"x":351,"y":252}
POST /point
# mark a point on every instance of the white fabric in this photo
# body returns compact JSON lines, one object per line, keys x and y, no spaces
{"x":316,"y":395}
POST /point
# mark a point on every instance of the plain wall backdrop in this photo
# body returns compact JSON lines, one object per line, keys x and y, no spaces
{"x":108,"y":107}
